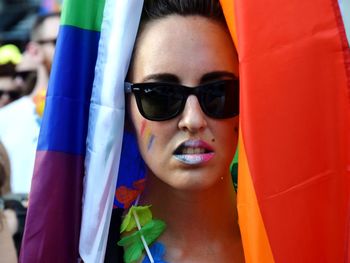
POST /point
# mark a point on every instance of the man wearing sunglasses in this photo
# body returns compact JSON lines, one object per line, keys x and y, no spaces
{"x":34,"y":70}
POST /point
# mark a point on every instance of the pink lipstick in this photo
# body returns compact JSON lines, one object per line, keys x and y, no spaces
{"x":194,"y":152}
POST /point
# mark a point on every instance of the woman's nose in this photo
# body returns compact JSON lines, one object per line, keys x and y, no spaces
{"x":193,"y":118}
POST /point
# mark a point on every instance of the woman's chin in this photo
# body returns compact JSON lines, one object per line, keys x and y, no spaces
{"x":192,"y":180}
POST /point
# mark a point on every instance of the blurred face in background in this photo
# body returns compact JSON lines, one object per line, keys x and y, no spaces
{"x":45,"y":36}
{"x":34,"y":69}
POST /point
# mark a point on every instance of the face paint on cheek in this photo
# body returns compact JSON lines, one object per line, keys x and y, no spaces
{"x":146,"y":133}
{"x":150,"y":142}
{"x":143,"y":126}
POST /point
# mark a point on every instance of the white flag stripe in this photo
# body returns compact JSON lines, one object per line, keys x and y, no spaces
{"x":106,"y":124}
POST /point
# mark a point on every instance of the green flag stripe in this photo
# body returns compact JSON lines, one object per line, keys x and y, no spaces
{"x":85,"y":14}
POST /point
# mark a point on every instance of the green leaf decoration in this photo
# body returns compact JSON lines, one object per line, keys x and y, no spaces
{"x":133,"y":245}
{"x":144,"y":214}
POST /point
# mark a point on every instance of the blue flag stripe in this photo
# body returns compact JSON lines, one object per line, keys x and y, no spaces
{"x":65,"y":119}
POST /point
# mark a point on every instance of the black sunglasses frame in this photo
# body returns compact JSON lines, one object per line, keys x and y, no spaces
{"x":25,"y":74}
{"x":142,"y":88}
{"x":47,"y":41}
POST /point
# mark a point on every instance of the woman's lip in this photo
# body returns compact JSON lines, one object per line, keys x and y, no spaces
{"x":195,"y":144}
{"x":194,"y":158}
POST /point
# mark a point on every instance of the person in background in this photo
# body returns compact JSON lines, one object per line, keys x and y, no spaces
{"x":20,"y":137}
{"x":9,"y":90}
{"x":5,"y":171}
{"x":8,"y":219}
{"x":38,"y":55}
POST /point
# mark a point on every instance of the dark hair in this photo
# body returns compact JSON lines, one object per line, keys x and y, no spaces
{"x":155,"y":9}
{"x":7,"y":70}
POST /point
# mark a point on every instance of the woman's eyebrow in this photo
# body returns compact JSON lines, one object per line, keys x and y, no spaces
{"x":162,"y":77}
{"x":217,"y":75}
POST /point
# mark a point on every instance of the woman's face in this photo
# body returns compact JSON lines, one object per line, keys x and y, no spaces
{"x":191,"y":151}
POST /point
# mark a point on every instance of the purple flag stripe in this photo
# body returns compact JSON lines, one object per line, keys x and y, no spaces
{"x":55,"y":203}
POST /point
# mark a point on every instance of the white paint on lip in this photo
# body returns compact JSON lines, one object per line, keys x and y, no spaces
{"x":194,"y":159}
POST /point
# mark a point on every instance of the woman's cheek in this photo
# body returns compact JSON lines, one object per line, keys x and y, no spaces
{"x":147,"y":137}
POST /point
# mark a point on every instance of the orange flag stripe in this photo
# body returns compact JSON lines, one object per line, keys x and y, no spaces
{"x":228,"y":7}
{"x":254,"y":238}
{"x":295,"y":125}
{"x":255,"y":241}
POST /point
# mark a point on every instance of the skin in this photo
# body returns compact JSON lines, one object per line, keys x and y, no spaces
{"x":196,"y":50}
{"x":38,"y":57}
{"x":160,"y":57}
{"x":47,"y":31}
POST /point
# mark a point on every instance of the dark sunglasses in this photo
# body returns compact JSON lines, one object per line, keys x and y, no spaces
{"x":11,"y":93}
{"x":163,"y":101}
{"x":25,"y":74}
{"x":47,"y":41}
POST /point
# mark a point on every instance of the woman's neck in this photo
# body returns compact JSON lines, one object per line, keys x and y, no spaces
{"x":202,"y":222}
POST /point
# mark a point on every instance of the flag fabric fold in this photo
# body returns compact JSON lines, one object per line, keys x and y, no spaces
{"x":54,"y":214}
{"x":106,"y":125}
{"x":79,"y":146}
{"x":294,"y":154}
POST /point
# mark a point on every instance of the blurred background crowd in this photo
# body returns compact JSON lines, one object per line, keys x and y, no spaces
{"x":28,"y":33}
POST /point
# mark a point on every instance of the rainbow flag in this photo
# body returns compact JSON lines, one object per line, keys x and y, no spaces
{"x":106,"y":127}
{"x":294,"y":145}
{"x":55,"y":202}
{"x":81,"y":137}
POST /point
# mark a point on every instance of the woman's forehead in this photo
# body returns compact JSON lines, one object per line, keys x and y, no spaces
{"x":188,"y":47}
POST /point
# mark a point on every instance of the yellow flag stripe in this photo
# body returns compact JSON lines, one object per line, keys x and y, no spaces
{"x":229,"y":12}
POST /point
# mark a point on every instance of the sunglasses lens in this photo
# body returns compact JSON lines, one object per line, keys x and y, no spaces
{"x":47,"y":41}
{"x":160,"y":102}
{"x":24,"y":74}
{"x":14,"y":95}
{"x":221,"y":99}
